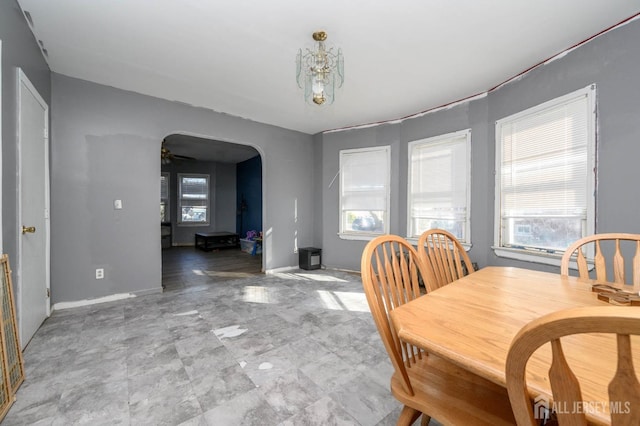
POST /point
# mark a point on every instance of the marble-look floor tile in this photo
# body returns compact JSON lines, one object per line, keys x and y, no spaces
{"x":41,"y":368}
{"x":324,"y":412}
{"x":135,"y":314}
{"x":308,"y":354}
{"x":41,"y":414}
{"x":220,"y":315}
{"x":392,"y":418}
{"x":156,"y":382}
{"x":349,"y":346}
{"x":145,"y":333}
{"x":95,"y":372}
{"x":196,"y":328}
{"x":152,"y":358}
{"x":195,"y":421}
{"x":262,"y":334}
{"x":97,"y":403}
{"x":380,"y":373}
{"x":175,"y":409}
{"x":248,"y":409}
{"x":330,"y":372}
{"x":198,"y":346}
{"x":165,"y":399}
{"x":215,"y":390}
{"x":365,"y":400}
{"x":306,"y":322}
{"x":290,"y":392}
{"x":267,"y":365}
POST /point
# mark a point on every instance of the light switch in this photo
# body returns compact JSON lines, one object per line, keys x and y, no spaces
{"x":117,"y":204}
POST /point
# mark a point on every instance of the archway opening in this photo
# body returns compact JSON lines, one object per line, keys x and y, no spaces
{"x":211,"y":204}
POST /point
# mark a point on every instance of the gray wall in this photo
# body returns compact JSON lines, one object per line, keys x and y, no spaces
{"x":19,"y":49}
{"x":222,"y":198}
{"x":317,"y":190}
{"x":611,"y":61}
{"x":106,"y":145}
{"x":336,"y":252}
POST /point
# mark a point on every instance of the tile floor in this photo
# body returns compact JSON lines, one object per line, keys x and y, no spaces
{"x":217,"y":349}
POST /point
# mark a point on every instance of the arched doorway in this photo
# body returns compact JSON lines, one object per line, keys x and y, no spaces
{"x":212,"y":188}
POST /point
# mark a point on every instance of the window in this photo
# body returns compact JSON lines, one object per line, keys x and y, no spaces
{"x":364,"y":191}
{"x":164,"y":197}
{"x":438,"y":194}
{"x":545,"y":177}
{"x":193,"y":199}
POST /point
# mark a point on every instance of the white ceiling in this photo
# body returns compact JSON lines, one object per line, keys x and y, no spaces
{"x":402,"y":57}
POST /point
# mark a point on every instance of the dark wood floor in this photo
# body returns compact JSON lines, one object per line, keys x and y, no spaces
{"x":188,"y":267}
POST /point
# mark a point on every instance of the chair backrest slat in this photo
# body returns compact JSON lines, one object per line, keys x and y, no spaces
{"x":583,"y":268}
{"x":390,"y":268}
{"x":616,"y":263}
{"x":600,"y":262}
{"x":565,"y":386}
{"x":448,"y":259}
{"x":623,"y":389}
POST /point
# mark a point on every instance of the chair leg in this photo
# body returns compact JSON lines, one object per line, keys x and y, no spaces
{"x":407,"y":416}
{"x":424,"y":421}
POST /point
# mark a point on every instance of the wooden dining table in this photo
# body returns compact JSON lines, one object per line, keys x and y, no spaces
{"x":472,"y":322}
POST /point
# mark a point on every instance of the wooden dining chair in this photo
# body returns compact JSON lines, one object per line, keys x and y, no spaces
{"x":446,"y":256}
{"x":620,"y":320}
{"x":424,"y":383}
{"x":576,"y":251}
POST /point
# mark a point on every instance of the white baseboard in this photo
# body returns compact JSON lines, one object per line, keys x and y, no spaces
{"x":280,"y":270}
{"x":105,"y":299}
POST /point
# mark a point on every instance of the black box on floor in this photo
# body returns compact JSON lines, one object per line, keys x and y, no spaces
{"x":310,"y":258}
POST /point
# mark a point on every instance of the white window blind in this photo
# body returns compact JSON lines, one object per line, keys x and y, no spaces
{"x":438,"y":195}
{"x":164,"y":197}
{"x":193,"y":198}
{"x":546,"y":178}
{"x":364,"y":190}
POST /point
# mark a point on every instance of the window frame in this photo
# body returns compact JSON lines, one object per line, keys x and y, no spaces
{"x":167,"y":204}
{"x":179,"y":220}
{"x":364,"y":235}
{"x":441,"y":140}
{"x":541,"y":255}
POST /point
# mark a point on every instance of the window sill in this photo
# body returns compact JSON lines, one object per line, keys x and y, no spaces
{"x":414,"y":241}
{"x":543,"y":258}
{"x":358,"y":237}
{"x":528,"y":256}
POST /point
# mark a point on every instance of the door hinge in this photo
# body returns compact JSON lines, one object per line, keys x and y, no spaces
{"x":48,"y":294}
{"x":46,"y":132}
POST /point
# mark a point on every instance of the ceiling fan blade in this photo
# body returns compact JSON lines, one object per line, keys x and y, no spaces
{"x":167,"y":156}
{"x":182,"y":157}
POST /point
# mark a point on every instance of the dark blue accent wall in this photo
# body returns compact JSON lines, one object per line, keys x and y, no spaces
{"x":249,"y":187}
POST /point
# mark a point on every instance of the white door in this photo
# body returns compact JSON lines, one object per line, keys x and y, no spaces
{"x":33,"y":210}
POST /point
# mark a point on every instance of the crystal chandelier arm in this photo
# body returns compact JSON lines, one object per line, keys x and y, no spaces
{"x":299,"y":68}
{"x":340,"y":68}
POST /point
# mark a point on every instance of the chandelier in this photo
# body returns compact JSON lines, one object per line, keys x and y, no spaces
{"x":320,"y":71}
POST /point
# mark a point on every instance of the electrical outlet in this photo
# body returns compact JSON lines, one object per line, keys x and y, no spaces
{"x":99,"y":274}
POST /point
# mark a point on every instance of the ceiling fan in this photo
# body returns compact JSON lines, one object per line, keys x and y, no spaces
{"x":167,"y":156}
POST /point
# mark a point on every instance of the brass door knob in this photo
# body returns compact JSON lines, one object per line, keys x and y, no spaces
{"x":28,"y":229}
